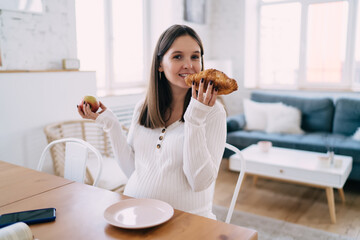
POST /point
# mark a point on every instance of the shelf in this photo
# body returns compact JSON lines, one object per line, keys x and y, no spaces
{"x":36,"y":71}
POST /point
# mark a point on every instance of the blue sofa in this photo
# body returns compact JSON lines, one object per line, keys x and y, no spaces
{"x":325,"y":121}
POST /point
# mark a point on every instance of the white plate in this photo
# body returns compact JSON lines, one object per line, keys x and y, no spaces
{"x":138,"y":213}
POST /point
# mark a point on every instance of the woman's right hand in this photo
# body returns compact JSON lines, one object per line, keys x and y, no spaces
{"x":210,"y":95}
{"x":86,"y":112}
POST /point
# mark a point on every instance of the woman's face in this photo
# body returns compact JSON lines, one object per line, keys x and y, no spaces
{"x":182,"y":58}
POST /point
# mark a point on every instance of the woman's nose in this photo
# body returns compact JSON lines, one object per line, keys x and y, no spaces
{"x":188,"y":64}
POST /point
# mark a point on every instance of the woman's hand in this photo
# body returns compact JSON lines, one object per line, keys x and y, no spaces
{"x":87,"y":113}
{"x":207,"y":98}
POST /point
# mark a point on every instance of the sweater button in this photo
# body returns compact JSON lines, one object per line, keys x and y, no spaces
{"x":163,"y":130}
{"x":161,"y":138}
{"x":158,"y":146}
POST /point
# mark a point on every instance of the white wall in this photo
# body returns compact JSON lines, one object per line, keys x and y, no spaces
{"x":30,"y":101}
{"x":165,"y":13}
{"x":32,"y":41}
{"x":226,"y":23}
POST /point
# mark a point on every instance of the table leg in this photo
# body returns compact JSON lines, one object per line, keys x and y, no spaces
{"x":331,"y":203}
{"x":342,"y":195}
{"x":255,"y":178}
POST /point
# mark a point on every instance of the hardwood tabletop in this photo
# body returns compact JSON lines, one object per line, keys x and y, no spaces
{"x":18,"y":182}
{"x":80,"y":215}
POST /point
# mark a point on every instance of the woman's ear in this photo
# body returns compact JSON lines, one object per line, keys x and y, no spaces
{"x":160,"y":68}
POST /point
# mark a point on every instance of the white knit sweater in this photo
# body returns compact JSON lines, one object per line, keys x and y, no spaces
{"x":178,"y":164}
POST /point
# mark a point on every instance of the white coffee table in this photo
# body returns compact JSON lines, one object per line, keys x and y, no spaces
{"x":297,"y":166}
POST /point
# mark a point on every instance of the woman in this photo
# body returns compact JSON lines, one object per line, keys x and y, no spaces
{"x":177,"y":136}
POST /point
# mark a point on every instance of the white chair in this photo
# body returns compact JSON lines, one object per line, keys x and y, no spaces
{"x":239,"y":181}
{"x":112,"y":177}
{"x":76,"y":156}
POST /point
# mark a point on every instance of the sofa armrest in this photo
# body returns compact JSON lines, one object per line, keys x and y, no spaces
{"x":235,"y":123}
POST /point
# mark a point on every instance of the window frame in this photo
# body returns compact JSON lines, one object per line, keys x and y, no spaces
{"x":347,"y":78}
{"x":110,"y":86}
{"x":110,"y":82}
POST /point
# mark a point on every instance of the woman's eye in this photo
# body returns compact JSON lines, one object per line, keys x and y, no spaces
{"x":177,"y":57}
{"x":195,"y":57}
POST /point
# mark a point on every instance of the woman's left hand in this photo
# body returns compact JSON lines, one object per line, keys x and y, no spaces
{"x":86,"y":112}
{"x":209,"y":97}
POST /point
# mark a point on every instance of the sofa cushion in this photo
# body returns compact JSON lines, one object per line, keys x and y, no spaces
{"x":308,"y":141}
{"x":283,"y":119}
{"x":347,"y":116}
{"x":317,"y":113}
{"x":236,"y":122}
{"x":256,"y":114}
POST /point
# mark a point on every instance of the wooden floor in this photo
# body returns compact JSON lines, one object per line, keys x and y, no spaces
{"x":291,"y":202}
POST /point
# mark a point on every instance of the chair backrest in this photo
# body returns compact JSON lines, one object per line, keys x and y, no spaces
{"x":76,"y":155}
{"x":86,"y":130}
{"x":239,"y":181}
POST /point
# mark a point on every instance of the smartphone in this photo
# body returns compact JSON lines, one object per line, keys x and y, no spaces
{"x":28,"y":217}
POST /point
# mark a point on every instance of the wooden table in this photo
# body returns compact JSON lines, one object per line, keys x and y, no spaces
{"x":17,"y":183}
{"x":80,"y":208}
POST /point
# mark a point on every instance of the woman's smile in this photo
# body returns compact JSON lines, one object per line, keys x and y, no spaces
{"x":184,"y":75}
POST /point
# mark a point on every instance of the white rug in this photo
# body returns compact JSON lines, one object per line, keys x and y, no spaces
{"x":273,"y":229}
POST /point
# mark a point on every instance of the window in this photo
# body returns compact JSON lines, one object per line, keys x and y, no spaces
{"x":110,"y":42}
{"x":279,"y":44}
{"x":326,"y":42}
{"x":356,"y":71}
{"x":308,"y":44}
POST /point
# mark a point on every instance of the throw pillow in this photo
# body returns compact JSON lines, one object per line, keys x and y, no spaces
{"x":255,"y":114}
{"x":283,"y":119}
{"x":356,"y":135}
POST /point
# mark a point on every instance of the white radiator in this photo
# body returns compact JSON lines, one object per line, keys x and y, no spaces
{"x":124,"y":114}
{"x":123,"y":106}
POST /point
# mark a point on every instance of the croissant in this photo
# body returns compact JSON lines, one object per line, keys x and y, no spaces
{"x":224,"y":84}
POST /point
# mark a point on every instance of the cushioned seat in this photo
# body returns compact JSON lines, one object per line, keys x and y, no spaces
{"x":347,"y":116}
{"x":112,"y":178}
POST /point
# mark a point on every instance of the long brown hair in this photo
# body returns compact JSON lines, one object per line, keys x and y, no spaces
{"x":159,"y":95}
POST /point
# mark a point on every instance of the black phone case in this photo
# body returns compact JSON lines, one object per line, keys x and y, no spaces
{"x":31,"y":221}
